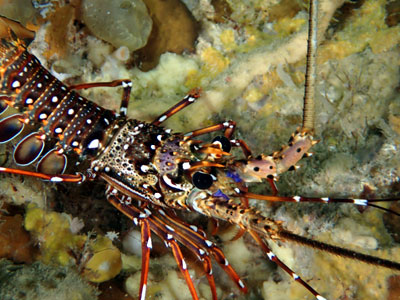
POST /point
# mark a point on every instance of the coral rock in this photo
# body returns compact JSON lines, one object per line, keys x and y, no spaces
{"x":119,"y":22}
{"x":14,"y":240}
{"x":106,"y":262}
{"x":174,"y":30}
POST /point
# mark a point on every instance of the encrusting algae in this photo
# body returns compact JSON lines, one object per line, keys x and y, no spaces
{"x":249,"y":60}
{"x":42,"y":281}
{"x":105,"y":263}
{"x":59,"y":244}
{"x":53,"y":231}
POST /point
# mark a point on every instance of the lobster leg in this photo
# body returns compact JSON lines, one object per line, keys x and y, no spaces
{"x":176,"y":250}
{"x":361,"y":202}
{"x":188,"y":235}
{"x":242,"y":144}
{"x":77,"y":178}
{"x":228,"y":127}
{"x":170,"y":229}
{"x":146,"y":247}
{"x":142,"y":219}
{"x":253,"y":220}
{"x":283,"y":266}
{"x":196,"y":235}
{"x":126,"y":84}
{"x":152,"y":223}
{"x":186,"y":101}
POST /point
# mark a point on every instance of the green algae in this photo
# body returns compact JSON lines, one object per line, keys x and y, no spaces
{"x":40,"y":281}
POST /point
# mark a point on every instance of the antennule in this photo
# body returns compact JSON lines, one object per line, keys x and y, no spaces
{"x":311,"y":69}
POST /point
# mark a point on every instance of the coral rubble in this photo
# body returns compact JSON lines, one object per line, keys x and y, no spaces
{"x":40,"y":281}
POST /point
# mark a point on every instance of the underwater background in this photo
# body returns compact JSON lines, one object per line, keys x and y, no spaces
{"x":249,"y":59}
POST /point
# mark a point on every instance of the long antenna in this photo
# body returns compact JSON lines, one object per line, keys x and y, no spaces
{"x":311,"y":72}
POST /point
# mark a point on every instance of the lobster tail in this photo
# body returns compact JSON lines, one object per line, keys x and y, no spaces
{"x":77,"y":124}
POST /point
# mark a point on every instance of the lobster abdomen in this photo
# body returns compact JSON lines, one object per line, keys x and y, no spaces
{"x":75,"y":123}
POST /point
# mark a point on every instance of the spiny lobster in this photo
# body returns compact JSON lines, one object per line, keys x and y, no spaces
{"x":144,"y":162}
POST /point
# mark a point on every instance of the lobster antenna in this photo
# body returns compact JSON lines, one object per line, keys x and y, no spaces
{"x":311,"y":69}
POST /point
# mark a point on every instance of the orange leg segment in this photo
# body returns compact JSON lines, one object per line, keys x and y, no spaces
{"x":361,"y":202}
{"x":77,"y":178}
{"x":176,"y":250}
{"x":146,"y":247}
{"x":125,"y":83}
{"x":186,"y":101}
{"x":172,"y":230}
{"x":284,"y":267}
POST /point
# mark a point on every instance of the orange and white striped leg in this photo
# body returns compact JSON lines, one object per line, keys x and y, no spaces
{"x":282,"y":265}
{"x":146,"y":247}
{"x":77,"y":178}
{"x":356,"y":201}
{"x":171,"y":230}
{"x":186,"y":101}
{"x":147,"y":220}
{"x":194,"y":238}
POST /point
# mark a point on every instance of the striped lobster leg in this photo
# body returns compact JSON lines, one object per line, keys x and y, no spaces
{"x":261,"y":228}
{"x":171,"y":230}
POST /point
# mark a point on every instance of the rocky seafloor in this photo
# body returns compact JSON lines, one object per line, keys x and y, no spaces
{"x":249,"y":59}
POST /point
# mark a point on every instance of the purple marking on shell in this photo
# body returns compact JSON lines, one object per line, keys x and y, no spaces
{"x":220,"y":194}
{"x":167,"y":157}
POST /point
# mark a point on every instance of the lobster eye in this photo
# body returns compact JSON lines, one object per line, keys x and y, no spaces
{"x":225,"y":143}
{"x":202,"y":180}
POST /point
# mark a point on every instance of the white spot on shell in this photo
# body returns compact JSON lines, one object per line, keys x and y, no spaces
{"x":169,"y":228}
{"x":144,"y":168}
{"x":16,"y":84}
{"x":56,"y":179}
{"x":184,"y":266}
{"x":208,"y":243}
{"x":94,"y":144}
{"x":149,"y":244}
{"x":241,"y":284}
{"x":162,"y":118}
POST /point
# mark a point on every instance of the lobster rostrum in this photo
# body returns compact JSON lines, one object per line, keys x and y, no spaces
{"x":150,"y":171}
